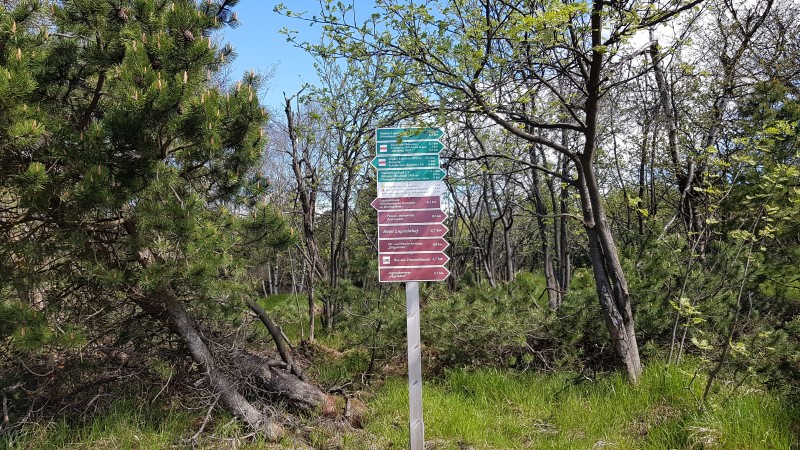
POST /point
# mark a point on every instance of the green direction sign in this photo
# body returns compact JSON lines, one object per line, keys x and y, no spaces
{"x":408,"y":134}
{"x":407,"y":147}
{"x":411,"y":175}
{"x":405,"y":162}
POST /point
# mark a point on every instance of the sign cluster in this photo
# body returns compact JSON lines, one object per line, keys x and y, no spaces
{"x":410,"y":230}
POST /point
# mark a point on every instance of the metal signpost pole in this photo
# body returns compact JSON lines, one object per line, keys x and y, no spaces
{"x":411,"y":234}
{"x":417,"y":426}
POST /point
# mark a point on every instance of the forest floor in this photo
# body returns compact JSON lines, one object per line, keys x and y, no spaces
{"x":464,"y":408}
{"x":484,"y":409}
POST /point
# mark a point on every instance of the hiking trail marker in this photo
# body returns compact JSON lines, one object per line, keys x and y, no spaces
{"x":411,"y":234}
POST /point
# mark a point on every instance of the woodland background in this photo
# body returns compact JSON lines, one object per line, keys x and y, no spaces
{"x":181,"y":262}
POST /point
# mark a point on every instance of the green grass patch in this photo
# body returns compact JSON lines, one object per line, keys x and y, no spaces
{"x":480,"y":409}
{"x":488,"y":409}
{"x":124,"y":426}
{"x":333,"y":360}
{"x":331,"y":369}
{"x":290,"y":312}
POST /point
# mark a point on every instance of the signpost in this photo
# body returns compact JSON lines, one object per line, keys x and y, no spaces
{"x":411,"y":245}
{"x":413,"y":259}
{"x":411,"y":234}
{"x":423,"y":216}
{"x":383,"y":135}
{"x":423,"y":231}
{"x":411,"y":188}
{"x":391,"y":274}
{"x":405,"y":162}
{"x":411,"y":175}
{"x":408,"y":147}
{"x":406,"y":203}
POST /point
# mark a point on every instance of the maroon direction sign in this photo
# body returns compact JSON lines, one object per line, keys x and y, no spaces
{"x":404,"y":231}
{"x":406,"y":245}
{"x":413,"y":259}
{"x":404,"y":217}
{"x":413,"y":274}
{"x":404,"y":203}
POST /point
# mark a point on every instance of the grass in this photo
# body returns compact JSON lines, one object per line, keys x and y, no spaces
{"x":488,"y":409}
{"x":483,"y":409}
{"x":290,"y":311}
{"x":464,"y":409}
{"x":124,"y":426}
{"x":332,"y":362}
{"x":128,"y":426}
{"x":491,"y":409}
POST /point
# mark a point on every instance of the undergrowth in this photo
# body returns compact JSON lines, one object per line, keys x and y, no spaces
{"x":469,"y":401}
{"x":491,"y":409}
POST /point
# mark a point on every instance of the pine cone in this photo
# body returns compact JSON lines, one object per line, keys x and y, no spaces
{"x":122,"y":15}
{"x":188,"y":36}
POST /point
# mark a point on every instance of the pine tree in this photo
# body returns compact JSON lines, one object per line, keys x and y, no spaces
{"x":127,"y":182}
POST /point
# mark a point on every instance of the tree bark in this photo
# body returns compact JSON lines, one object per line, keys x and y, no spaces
{"x":227,"y":392}
{"x":285,"y":386}
{"x":277,"y":336}
{"x":612,"y":287}
{"x":564,"y":255}
{"x":312,"y":309}
{"x":551,"y":282}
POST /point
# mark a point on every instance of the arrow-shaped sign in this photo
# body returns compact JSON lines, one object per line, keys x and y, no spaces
{"x":406,"y":147}
{"x":404,"y":217}
{"x":411,"y":175}
{"x":403,"y":231}
{"x":411,"y":188}
{"x":413,"y":259}
{"x":407,"y":245}
{"x":413,"y":274}
{"x":408,"y":134}
{"x":405,"y":203}
{"x":405,"y":162}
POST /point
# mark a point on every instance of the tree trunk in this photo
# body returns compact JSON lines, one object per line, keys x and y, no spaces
{"x":305,"y":174}
{"x":564,"y":256}
{"x":277,"y":336}
{"x":509,"y":250}
{"x":312,"y":310}
{"x":268,"y":288}
{"x":488,"y":241}
{"x":642,"y":170}
{"x":612,"y":287}
{"x":551,"y":282}
{"x":506,"y":218}
{"x":273,"y":280}
{"x":227,"y":392}
{"x":285,"y":386}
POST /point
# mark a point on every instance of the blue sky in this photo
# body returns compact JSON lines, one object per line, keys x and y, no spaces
{"x":260,"y":46}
